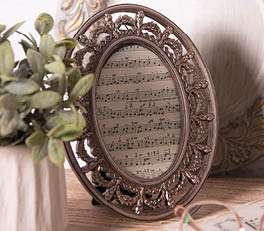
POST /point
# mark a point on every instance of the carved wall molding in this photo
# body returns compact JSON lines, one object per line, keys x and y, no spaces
{"x":241,"y":142}
{"x":71,"y":14}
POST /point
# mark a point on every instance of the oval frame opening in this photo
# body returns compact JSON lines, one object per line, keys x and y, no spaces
{"x":182,"y":101}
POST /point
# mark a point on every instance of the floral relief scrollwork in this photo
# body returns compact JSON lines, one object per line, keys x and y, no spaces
{"x":117,"y":187}
{"x":71,"y":15}
{"x":242,"y":140}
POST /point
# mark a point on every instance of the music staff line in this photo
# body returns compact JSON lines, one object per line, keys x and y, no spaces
{"x":131,"y":48}
{"x":149,"y":173}
{"x":146,"y":160}
{"x":132,"y":63}
{"x":106,"y":113}
{"x":137,"y":95}
{"x":139,"y":78}
{"x":136,"y":128}
{"x":145,"y":143}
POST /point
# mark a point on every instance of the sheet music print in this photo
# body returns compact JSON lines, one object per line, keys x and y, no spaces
{"x":250,"y":215}
{"x":138,"y":112}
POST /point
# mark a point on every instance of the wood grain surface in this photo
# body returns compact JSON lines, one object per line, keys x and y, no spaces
{"x":83,"y":216}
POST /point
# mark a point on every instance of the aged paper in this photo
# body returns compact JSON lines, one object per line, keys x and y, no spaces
{"x":138,"y":112}
{"x":250,"y":215}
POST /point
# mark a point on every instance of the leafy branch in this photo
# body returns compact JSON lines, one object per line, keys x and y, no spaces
{"x":38,"y":93}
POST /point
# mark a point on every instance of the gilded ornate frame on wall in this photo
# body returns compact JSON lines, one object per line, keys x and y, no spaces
{"x":107,"y":182}
{"x":71,"y":14}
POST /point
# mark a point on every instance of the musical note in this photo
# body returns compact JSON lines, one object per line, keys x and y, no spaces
{"x":108,"y":113}
{"x":147,"y":160}
{"x":147,"y":164}
{"x":149,"y":62}
{"x":131,"y":48}
{"x":137,"y":95}
{"x":139,"y":144}
{"x":250,"y":215}
{"x":139,"y":78}
{"x":137,"y":127}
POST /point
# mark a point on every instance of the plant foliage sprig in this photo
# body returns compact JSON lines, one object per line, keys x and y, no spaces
{"x":38,"y":93}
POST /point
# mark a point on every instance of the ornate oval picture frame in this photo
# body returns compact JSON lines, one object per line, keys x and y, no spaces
{"x":151,"y":113}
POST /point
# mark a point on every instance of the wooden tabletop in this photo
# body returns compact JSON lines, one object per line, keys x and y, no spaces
{"x":83,"y":216}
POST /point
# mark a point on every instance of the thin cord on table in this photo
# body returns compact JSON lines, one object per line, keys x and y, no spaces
{"x":186,"y":217}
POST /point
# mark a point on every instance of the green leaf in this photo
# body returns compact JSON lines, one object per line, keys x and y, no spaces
{"x":69,"y":43}
{"x":68,"y":62}
{"x":82,"y":86}
{"x":82,"y":123}
{"x":62,"y":84}
{"x":55,"y":129}
{"x":56,"y":67}
{"x":26,"y":45}
{"x":74,"y":75}
{"x":66,"y":125}
{"x":44,"y":99}
{"x":56,"y":151}
{"x":22,"y":99}
{"x":36,"y":139}
{"x":23,"y":70}
{"x":20,"y":73}
{"x":35,"y":77}
{"x":55,"y":121}
{"x":33,"y":40}
{"x":30,"y":39}
{"x":6,"y":58}
{"x":22,"y":126}
{"x":12,"y":30}
{"x":68,"y":132}
{"x":66,"y":117}
{"x":46,"y":46}
{"x":44,"y":23}
{"x":52,"y":82}
{"x":82,"y":108}
{"x":60,"y":51}
{"x":36,"y":62}
{"x":24,"y":64}
{"x":22,"y":87}
{"x":40,"y":151}
{"x":56,"y":57}
{"x":2,"y":28}
{"x":9,"y":102}
{"x":10,"y":123}
{"x":79,"y":120}
{"x":24,"y":111}
{"x":6,"y":78}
